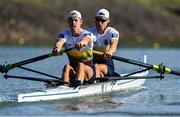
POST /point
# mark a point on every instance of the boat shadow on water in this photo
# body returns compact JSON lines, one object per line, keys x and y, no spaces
{"x":99,"y":102}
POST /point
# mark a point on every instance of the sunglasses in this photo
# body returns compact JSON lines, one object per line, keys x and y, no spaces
{"x":101,"y":20}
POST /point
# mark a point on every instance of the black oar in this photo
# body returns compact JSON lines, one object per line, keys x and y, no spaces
{"x":159,"y":68}
{"x":8,"y":67}
{"x":38,"y":72}
{"x":128,"y":78}
{"x":36,"y":79}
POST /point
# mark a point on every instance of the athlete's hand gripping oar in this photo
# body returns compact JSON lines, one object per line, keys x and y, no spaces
{"x":159,"y":68}
{"x":8,"y":67}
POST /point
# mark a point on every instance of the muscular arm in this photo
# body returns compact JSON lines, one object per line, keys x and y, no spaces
{"x":113,"y":46}
{"x":59,"y":44}
{"x":112,"y":49}
{"x":57,"y":47}
{"x":85,"y":41}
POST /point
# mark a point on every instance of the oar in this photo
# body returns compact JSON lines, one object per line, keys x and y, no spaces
{"x":38,"y":72}
{"x":8,"y":67}
{"x":36,"y":79}
{"x":159,"y":68}
{"x":128,"y":78}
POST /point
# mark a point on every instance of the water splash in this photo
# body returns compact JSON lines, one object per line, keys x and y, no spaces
{"x":8,"y":98}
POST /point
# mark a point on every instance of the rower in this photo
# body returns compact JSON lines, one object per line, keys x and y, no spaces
{"x":106,"y":41}
{"x":81,"y":67}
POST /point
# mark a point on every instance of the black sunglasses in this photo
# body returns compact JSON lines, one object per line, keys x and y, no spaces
{"x":101,"y":20}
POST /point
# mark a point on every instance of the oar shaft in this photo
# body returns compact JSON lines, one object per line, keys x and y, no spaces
{"x":35,"y":79}
{"x":159,"y":68}
{"x":38,"y":72}
{"x":130,"y":77}
{"x":8,"y":67}
{"x":132,"y":62}
{"x":126,"y":60}
{"x":175,"y":72}
{"x":29,"y":78}
{"x":37,"y":58}
{"x":32,"y":60}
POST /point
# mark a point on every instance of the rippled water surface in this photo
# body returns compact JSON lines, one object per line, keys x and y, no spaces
{"x":155,"y":97}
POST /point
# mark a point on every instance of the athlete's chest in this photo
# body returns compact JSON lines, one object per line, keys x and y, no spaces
{"x":71,"y":41}
{"x":102,"y":40}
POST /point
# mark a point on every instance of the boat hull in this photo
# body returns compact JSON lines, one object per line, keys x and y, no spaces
{"x":62,"y":92}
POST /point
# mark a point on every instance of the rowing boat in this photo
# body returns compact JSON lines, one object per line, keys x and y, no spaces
{"x":62,"y":92}
{"x":127,"y":81}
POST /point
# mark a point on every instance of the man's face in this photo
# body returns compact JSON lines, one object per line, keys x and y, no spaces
{"x":75,"y":23}
{"x":101,"y":23}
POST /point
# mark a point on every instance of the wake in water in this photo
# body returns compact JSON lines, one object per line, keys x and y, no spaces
{"x":8,"y":98}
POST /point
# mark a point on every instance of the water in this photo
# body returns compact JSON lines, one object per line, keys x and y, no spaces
{"x":156,"y":97}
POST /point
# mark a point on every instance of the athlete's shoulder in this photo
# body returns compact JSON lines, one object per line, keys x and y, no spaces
{"x":112,"y":30}
{"x":66,"y":32}
{"x":63,"y":34}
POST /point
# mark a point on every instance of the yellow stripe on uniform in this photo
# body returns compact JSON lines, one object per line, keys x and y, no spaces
{"x":77,"y":55}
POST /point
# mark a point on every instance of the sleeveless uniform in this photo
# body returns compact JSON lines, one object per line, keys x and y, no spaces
{"x":84,"y":55}
{"x":102,"y":44}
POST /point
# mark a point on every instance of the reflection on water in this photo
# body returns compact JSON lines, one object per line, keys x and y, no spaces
{"x":100,"y":102}
{"x":91,"y":103}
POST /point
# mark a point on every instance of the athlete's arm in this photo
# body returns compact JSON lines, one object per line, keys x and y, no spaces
{"x":112,"y":49}
{"x":58,"y":46}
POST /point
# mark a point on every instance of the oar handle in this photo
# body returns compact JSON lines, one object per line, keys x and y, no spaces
{"x":98,"y":53}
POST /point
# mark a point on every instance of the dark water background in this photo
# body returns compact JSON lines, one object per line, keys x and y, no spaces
{"x":156,"y":97}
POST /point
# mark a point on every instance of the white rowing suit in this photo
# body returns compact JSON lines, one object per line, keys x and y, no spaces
{"x":102,"y":44}
{"x":85,"y":54}
{"x":75,"y":56}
